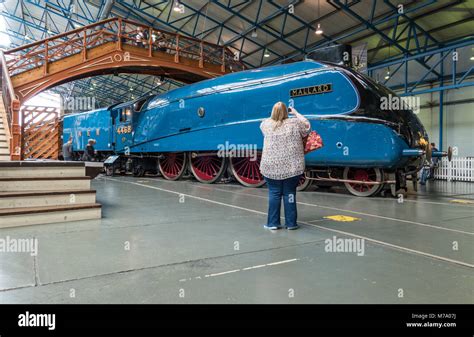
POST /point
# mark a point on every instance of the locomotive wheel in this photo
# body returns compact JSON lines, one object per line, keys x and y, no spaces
{"x":173,"y":165}
{"x":363,"y":174}
{"x":207,"y":169}
{"x":414,"y":180}
{"x":138,"y":171}
{"x":109,"y":170}
{"x":247,"y":171}
{"x":304,"y":183}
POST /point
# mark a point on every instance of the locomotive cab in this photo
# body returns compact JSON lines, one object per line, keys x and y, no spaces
{"x":122,"y":117}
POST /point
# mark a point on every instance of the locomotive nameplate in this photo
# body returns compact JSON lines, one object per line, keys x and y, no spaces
{"x":313,"y":90}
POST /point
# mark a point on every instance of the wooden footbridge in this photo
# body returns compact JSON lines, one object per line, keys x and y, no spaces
{"x":106,"y":47}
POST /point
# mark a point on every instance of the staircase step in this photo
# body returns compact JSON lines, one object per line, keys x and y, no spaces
{"x":46,"y":198}
{"x":12,"y":184}
{"x":4,"y":157}
{"x":42,"y":171}
{"x":26,"y":216}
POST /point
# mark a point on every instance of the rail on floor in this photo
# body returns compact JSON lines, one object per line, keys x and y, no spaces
{"x":109,"y":46}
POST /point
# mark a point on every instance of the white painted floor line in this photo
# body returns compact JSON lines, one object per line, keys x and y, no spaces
{"x":383,"y":243}
{"x":242,"y":269}
{"x":349,"y":211}
{"x":351,"y":196}
{"x":366,"y":214}
{"x":225,"y":272}
{"x":254,"y":267}
{"x":281,"y":262}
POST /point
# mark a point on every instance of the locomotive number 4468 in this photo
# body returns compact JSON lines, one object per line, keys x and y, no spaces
{"x":124,"y":129}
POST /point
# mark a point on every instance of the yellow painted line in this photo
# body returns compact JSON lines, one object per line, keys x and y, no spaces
{"x":462,"y":201}
{"x":341,"y":218}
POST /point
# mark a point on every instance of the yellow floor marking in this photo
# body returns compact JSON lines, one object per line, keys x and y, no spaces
{"x":462,"y":201}
{"x":413,"y":251}
{"x":342,"y":218}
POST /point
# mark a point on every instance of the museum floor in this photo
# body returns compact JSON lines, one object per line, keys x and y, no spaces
{"x":184,"y":242}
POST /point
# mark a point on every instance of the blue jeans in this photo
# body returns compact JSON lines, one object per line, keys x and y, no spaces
{"x":424,"y":175}
{"x":277,"y":189}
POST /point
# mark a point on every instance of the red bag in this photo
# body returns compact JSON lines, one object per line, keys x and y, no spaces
{"x":312,"y":142}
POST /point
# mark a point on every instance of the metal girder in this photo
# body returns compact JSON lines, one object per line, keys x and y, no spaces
{"x":221,"y":25}
{"x":258,"y":25}
{"x":45,"y":25}
{"x":455,"y":80}
{"x":357,"y":30}
{"x":405,"y":50}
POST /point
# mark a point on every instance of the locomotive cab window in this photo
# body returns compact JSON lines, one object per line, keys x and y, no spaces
{"x":125,"y":114}
{"x":139,"y":105}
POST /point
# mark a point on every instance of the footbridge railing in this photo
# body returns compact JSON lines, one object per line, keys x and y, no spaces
{"x":108,"y":46}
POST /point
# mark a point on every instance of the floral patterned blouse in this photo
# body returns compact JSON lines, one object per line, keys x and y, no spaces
{"x":283,"y":153}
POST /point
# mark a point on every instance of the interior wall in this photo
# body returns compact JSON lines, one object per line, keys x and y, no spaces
{"x":458,"y":119}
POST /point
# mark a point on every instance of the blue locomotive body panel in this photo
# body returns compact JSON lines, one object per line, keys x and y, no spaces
{"x":229,"y":109}
{"x":96,"y":124}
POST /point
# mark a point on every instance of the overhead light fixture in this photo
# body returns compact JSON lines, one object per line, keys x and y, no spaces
{"x":27,"y":37}
{"x":254,"y":33}
{"x":178,"y":7}
{"x":472,"y":58}
{"x":319,"y":30}
{"x":160,"y":80}
{"x":266,"y":53}
{"x":388,"y":74}
{"x":131,"y":89}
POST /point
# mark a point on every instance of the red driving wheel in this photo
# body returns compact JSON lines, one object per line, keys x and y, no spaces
{"x":207,"y":168}
{"x":173,"y":165}
{"x":247,"y":170}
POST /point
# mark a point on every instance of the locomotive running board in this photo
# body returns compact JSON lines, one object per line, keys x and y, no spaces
{"x":350,"y":181}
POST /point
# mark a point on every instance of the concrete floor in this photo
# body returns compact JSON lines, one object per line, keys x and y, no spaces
{"x":195,"y":243}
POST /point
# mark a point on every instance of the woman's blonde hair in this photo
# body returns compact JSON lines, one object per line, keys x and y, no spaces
{"x":279,"y":114}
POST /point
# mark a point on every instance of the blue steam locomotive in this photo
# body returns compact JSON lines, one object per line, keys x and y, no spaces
{"x":211,"y":128}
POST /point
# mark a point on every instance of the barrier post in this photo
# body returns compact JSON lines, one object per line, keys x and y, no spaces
{"x":176,"y":56}
{"x":84,"y":46}
{"x":45,"y":64}
{"x":201,"y":56}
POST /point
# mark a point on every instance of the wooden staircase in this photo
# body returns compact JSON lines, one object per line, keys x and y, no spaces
{"x":4,"y":143}
{"x":40,"y":192}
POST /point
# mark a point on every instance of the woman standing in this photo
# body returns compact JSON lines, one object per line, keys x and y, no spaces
{"x":283,"y":162}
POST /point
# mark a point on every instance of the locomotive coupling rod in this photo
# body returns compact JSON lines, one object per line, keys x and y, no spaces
{"x":205,"y":154}
{"x":202,"y":154}
{"x":353,"y":181}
